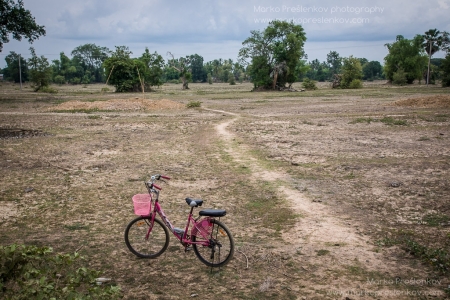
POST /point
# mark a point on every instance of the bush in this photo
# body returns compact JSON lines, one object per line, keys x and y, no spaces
{"x":47,"y":89}
{"x":355,"y":84}
{"x":209,"y":78}
{"x":399,"y":77}
{"x":75,"y":80}
{"x":309,"y":84}
{"x":351,"y":70}
{"x":193,"y":104}
{"x":59,"y":79}
{"x":30,"y":272}
{"x":231,"y":80}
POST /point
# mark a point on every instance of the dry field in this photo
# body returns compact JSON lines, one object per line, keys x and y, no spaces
{"x":330,"y":194}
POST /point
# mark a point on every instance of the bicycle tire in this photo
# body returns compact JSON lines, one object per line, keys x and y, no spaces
{"x":154,"y":246}
{"x":217,"y":255}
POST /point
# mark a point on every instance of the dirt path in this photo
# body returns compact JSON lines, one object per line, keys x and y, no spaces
{"x":338,"y":256}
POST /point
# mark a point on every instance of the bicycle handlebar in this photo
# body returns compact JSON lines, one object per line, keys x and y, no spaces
{"x":158,"y":177}
{"x":154,"y":178}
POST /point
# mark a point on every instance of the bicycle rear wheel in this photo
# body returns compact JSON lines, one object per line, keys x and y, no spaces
{"x":220,"y":247}
{"x":135,"y":237}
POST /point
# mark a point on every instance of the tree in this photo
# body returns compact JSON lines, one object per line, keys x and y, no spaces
{"x":225,"y":70}
{"x":301,"y":69}
{"x":259,"y":70}
{"x":64,"y":67}
{"x":182,"y":65}
{"x":318,"y":71}
{"x":134,"y":75}
{"x":122,"y":71}
{"x":334,"y":62}
{"x":433,"y":41}
{"x":274,"y":54}
{"x":12,"y":70}
{"x":16,"y":20}
{"x":372,"y":70}
{"x":238,"y":71}
{"x":363,"y":61}
{"x":152,"y":72}
{"x":407,"y":55}
{"x":351,"y":73}
{"x":197,"y":69}
{"x":445,"y":64}
{"x":91,"y":57}
{"x":39,"y":70}
{"x":445,"y":68}
{"x":216,"y":64}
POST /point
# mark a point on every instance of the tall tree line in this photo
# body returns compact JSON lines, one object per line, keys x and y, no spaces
{"x":407,"y":60}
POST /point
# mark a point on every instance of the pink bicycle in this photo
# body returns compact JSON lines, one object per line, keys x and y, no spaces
{"x":148,"y":237}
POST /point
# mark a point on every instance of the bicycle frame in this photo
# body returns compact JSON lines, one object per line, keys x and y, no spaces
{"x":183,"y":238}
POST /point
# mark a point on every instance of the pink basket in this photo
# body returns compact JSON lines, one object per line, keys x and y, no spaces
{"x":142,"y":204}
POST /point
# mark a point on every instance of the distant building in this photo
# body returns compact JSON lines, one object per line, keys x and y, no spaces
{"x":1,"y":77}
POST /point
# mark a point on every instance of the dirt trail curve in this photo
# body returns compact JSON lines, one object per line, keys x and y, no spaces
{"x":319,"y":228}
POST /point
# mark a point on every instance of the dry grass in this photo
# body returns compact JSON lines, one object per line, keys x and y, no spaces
{"x":71,"y":186}
{"x":435,"y":101}
{"x":132,"y":104}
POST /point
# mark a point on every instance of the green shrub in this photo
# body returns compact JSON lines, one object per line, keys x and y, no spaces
{"x":399,"y":77}
{"x":392,"y":121}
{"x":193,"y":104}
{"x":355,"y":84}
{"x":75,"y":80}
{"x":309,"y":84}
{"x":47,"y":89}
{"x":59,"y":79}
{"x":351,"y":70}
{"x":30,"y":272}
{"x":231,"y":80}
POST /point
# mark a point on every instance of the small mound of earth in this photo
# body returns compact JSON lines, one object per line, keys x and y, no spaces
{"x":119,"y":104}
{"x":428,"y":101}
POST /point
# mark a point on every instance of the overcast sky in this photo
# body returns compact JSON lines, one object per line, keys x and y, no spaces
{"x":216,"y":29}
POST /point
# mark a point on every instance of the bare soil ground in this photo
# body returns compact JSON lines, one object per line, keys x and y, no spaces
{"x":330,"y":194}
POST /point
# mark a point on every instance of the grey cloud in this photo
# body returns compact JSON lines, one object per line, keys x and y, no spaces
{"x":170,"y":23}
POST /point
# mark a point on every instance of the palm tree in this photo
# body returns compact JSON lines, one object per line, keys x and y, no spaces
{"x":434,"y":41}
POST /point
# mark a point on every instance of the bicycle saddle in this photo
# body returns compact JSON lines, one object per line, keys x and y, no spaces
{"x":213,"y":212}
{"x":195,"y":202}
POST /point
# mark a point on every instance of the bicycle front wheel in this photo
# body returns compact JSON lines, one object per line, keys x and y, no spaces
{"x":144,"y":246}
{"x":220,"y":247}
